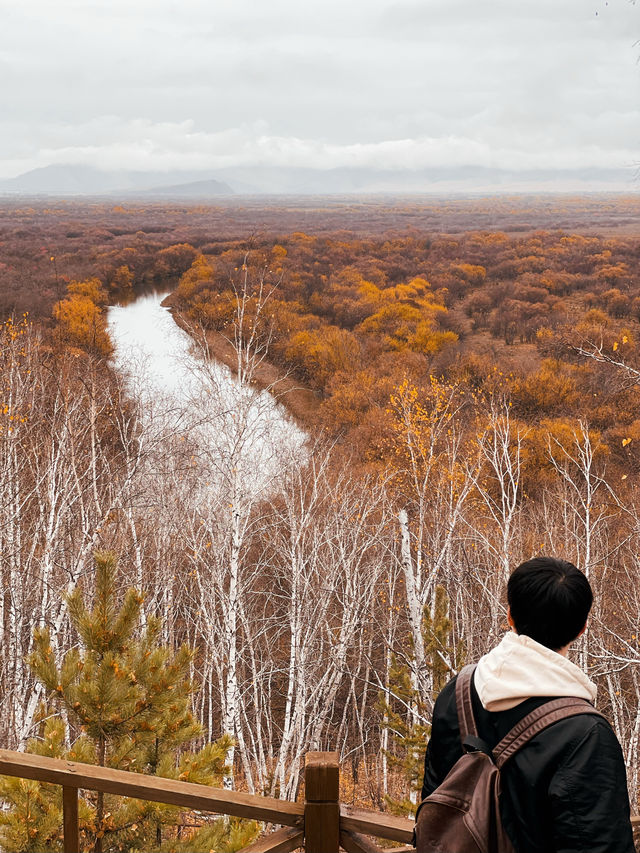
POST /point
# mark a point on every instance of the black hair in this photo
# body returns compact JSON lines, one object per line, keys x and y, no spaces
{"x":549,"y":600}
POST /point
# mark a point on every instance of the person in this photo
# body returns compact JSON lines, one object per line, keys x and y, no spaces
{"x":566,"y":790}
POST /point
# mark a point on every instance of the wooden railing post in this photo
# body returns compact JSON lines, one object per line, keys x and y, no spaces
{"x":321,"y":808}
{"x":70,"y":819}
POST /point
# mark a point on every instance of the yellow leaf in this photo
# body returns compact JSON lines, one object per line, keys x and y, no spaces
{"x":626,"y":441}
{"x":615,"y":346}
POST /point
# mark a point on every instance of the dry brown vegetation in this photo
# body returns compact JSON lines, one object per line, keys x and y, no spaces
{"x":472,"y":394}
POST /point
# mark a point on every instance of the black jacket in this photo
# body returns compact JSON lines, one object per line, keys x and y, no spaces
{"x":565,"y":791}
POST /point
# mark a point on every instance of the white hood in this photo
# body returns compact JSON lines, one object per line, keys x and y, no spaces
{"x":519,"y":667}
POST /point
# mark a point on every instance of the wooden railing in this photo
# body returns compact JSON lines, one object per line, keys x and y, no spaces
{"x":319,"y":825}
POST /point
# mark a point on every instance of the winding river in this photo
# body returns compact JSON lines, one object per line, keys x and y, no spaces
{"x":173,"y":382}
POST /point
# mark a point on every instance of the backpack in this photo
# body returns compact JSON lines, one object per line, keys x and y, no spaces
{"x":463,"y":814}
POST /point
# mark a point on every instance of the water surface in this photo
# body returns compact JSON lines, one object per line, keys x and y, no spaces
{"x":231,"y":423}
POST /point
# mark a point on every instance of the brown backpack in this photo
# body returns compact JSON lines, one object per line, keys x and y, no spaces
{"x":463,"y":814}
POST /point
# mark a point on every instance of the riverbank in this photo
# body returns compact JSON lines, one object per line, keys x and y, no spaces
{"x":300,"y":402}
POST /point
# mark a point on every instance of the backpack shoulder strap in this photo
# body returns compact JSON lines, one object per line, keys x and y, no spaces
{"x":466,"y":720}
{"x":544,"y":716}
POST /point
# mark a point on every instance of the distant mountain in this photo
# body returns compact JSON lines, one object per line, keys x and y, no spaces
{"x":193,"y":189}
{"x":76,"y":180}
{"x":63,"y":180}
{"x":464,"y":179}
{"x":72,"y":180}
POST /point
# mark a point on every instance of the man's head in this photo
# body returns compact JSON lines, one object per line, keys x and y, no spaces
{"x":549,"y":601}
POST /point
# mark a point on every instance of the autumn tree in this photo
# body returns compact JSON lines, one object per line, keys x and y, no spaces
{"x":405,"y":711}
{"x":433,"y":468}
{"x":117,"y":699}
{"x":80,"y":317}
{"x":122,"y":279}
{"x":200,"y":270}
{"x":174,"y":260}
{"x":407,"y":318}
{"x":320,"y":354}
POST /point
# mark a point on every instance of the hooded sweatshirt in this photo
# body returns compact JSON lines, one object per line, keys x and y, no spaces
{"x":566,"y":791}
{"x":519,"y":668}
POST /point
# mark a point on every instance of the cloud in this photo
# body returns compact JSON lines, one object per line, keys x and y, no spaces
{"x":157,"y":84}
{"x":114,"y":143}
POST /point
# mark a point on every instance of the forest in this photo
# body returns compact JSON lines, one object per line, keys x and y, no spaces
{"x":467,"y":377}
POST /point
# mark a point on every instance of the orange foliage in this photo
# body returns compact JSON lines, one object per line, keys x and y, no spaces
{"x":199,"y":271}
{"x":547,"y":391}
{"x":319,"y":355}
{"x":81,"y":323}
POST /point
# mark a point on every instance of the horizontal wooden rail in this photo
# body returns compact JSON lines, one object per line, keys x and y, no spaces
{"x":376,"y":823}
{"x":283,"y":841}
{"x":156,"y":789}
{"x":354,"y":843}
{"x":320,"y":825}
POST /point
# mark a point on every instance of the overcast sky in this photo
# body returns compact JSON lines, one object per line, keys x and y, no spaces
{"x":155,"y":84}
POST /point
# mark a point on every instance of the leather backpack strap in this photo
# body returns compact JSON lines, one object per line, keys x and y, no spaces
{"x":466,"y":720}
{"x":544,"y":716}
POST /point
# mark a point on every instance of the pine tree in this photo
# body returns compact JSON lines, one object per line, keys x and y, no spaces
{"x":406,"y":713}
{"x":122,"y":701}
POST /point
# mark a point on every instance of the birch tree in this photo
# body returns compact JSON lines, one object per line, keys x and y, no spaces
{"x":432,"y":487}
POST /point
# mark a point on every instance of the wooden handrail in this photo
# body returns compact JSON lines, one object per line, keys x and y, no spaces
{"x":375,"y":823}
{"x":320,"y":824}
{"x":156,"y":789}
{"x":283,"y":841}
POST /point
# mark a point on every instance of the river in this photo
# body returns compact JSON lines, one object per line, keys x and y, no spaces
{"x":176,"y":384}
